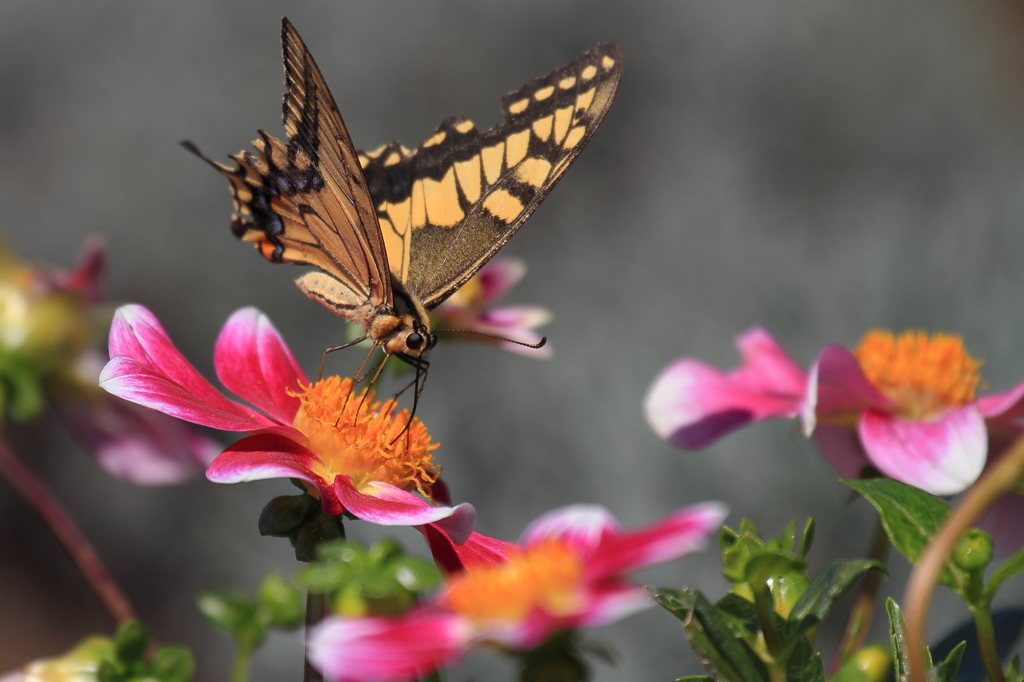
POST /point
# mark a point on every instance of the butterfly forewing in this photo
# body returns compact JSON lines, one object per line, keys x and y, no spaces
{"x":344,"y":220}
{"x":447,"y":207}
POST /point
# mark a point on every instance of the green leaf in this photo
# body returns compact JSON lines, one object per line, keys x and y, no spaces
{"x":898,"y":641}
{"x":911,"y":517}
{"x":725,"y":657}
{"x":804,"y":664}
{"x":172,"y":664}
{"x":831,"y":583}
{"x":946,"y":671}
{"x":131,"y":642}
{"x":284,"y":604}
{"x":324,"y":578}
{"x":1013,"y":670}
{"x":761,"y":568}
{"x":695,"y":678}
{"x":415,"y":575}
{"x":284,"y":514}
{"x":1007,"y":569}
{"x":234,"y":614}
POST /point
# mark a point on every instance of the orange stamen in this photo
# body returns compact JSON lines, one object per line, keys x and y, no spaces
{"x":922,"y":374}
{"x":546,"y":575}
{"x":354,"y":435}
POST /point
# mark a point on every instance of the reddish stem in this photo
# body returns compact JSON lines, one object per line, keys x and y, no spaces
{"x":70,"y":538}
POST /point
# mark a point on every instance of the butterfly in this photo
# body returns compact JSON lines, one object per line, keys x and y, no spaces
{"x":392,"y":233}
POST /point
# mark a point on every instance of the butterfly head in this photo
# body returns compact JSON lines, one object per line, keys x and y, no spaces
{"x":420,"y":340}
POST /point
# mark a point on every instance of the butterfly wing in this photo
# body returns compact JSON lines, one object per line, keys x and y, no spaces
{"x":446,"y":208}
{"x":307,"y":201}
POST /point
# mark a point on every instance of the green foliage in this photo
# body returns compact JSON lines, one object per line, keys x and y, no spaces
{"x":302,"y":520}
{"x":380,"y":580}
{"x":752,"y":564}
{"x":123,"y":659}
{"x":943,"y":672}
{"x":870,"y":664}
{"x":763,"y":629}
{"x":276,"y":604}
{"x":911,"y":517}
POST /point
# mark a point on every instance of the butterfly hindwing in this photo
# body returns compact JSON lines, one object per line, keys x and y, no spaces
{"x":447,"y":207}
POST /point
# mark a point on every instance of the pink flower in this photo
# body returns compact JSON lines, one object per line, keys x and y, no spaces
{"x":468,"y":309}
{"x":905,"y":404}
{"x":345,"y":447}
{"x":568,"y":573}
{"x":45,"y":331}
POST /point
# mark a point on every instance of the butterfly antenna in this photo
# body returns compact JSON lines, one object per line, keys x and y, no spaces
{"x":539,"y":344}
{"x":323,"y":358}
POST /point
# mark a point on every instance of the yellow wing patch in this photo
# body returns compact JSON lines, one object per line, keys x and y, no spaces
{"x":448,"y":206}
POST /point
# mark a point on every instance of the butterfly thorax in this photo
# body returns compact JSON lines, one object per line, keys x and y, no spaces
{"x":406,"y":329}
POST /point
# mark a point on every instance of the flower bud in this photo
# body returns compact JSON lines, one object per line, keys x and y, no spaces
{"x":974,"y":551}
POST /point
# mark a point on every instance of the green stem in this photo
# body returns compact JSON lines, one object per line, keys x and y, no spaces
{"x":763,"y":608}
{"x":316,"y":605}
{"x":67,"y":534}
{"x":994,"y":482}
{"x":987,"y":641}
{"x":243,"y":659}
{"x":863,"y":610}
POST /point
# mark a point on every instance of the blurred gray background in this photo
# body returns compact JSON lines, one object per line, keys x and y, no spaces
{"x":814,"y":166}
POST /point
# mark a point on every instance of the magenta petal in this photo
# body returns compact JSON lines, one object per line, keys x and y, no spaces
{"x":498,"y":276}
{"x":477,"y":550}
{"x":767,"y":367}
{"x":842,"y":449}
{"x":692,"y":404}
{"x":610,"y":602}
{"x":378,"y":649}
{"x":136,"y":444}
{"x":153,"y":373}
{"x":942,"y":457}
{"x":273,"y":455}
{"x":836,"y":383}
{"x":675,"y":536}
{"x":386,"y":505}
{"x":1002,"y":404}
{"x":254,"y":363}
{"x":584,"y":526}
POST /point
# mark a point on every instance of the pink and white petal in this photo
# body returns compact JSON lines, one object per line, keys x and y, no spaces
{"x":836,"y":383}
{"x":767,"y":367}
{"x":942,"y":457}
{"x":584,"y":526}
{"x":478,"y":550}
{"x":498,"y":276}
{"x":691,"y":404}
{"x":516,"y":317}
{"x":842,"y":449}
{"x":136,"y":334}
{"x":612,"y":601}
{"x":1003,"y":403}
{"x":387,"y":505}
{"x":675,"y":536}
{"x":140,"y":383}
{"x":136,"y":444}
{"x":254,"y":363}
{"x":379,"y":649}
{"x":84,"y":279}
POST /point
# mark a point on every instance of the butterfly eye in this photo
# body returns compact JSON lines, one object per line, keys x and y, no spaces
{"x":414,"y":340}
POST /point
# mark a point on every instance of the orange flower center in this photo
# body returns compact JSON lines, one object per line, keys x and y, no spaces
{"x":354,"y":435}
{"x":546,"y":575}
{"x":922,"y":374}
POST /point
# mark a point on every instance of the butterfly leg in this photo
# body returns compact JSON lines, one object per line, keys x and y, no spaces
{"x":323,"y":358}
{"x":421,"y":366}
